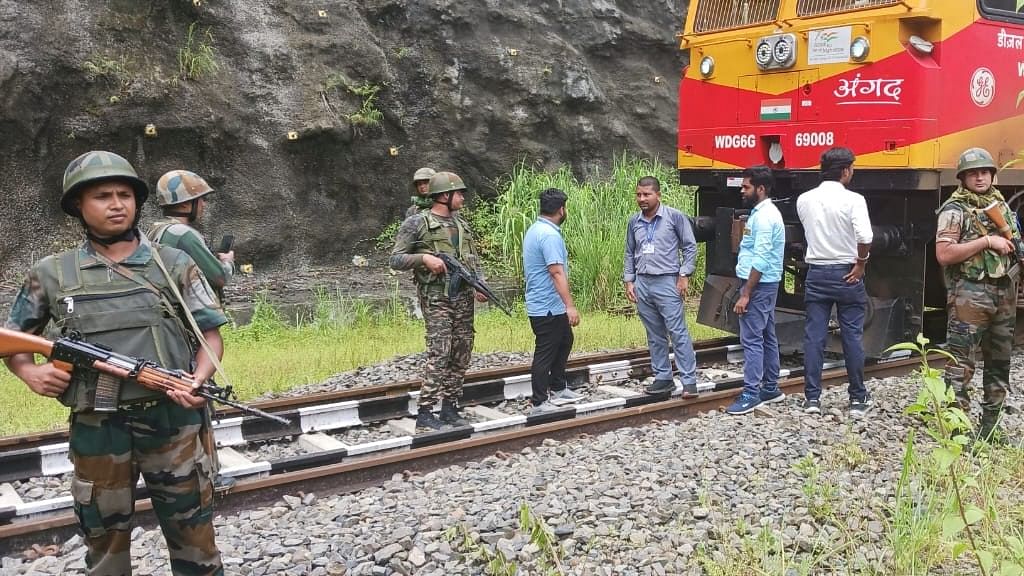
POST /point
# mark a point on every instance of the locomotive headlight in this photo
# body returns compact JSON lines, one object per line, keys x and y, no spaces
{"x":707,"y":66}
{"x":859,"y":48}
{"x":763,"y":54}
{"x":783,"y":50}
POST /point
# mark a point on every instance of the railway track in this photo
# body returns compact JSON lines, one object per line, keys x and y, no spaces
{"x":330,"y":466}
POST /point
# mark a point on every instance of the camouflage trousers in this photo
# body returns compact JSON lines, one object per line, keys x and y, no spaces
{"x":161,"y":441}
{"x":449,"y":338}
{"x":981,"y":318}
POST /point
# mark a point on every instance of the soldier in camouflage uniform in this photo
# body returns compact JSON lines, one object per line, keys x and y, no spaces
{"x":448,"y":317}
{"x":981,"y":271}
{"x":182,"y":196}
{"x":420,"y":185}
{"x":112,"y":291}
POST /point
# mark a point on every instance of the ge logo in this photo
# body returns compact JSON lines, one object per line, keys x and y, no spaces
{"x":983,"y":87}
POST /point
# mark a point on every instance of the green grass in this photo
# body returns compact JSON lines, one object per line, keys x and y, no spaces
{"x":196,"y":57}
{"x":595,"y":230}
{"x":268,"y":356}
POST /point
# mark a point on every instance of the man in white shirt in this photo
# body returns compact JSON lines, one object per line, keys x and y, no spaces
{"x":838,"y":234}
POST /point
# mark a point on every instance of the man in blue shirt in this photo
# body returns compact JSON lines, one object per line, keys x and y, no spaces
{"x":549,"y":303}
{"x":759,"y":264}
{"x":656,"y":282}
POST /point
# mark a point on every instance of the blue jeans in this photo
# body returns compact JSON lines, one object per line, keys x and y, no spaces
{"x":760,"y":346}
{"x":661,"y":311}
{"x":824,"y":288}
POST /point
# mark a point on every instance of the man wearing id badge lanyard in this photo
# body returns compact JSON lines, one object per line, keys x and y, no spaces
{"x":656,"y":281}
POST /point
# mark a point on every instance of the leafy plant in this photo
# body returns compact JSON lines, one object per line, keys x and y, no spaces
{"x":948,"y":426}
{"x":196,"y":57}
{"x":368,"y":113}
{"x":820,"y":493}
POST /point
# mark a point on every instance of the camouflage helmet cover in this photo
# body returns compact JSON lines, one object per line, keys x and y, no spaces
{"x":974,"y":158}
{"x":445,"y":182}
{"x":97,"y":166}
{"x":179,"y":186}
{"x":423,"y":174}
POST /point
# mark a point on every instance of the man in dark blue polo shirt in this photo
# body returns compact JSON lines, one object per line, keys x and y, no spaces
{"x":549,"y":303}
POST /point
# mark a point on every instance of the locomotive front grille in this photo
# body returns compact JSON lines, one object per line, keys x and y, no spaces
{"x":819,"y":7}
{"x":723,"y":14}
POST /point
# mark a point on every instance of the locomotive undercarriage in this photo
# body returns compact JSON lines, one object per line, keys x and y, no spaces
{"x":904,"y":282}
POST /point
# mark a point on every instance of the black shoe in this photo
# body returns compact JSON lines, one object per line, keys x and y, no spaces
{"x":989,"y":431}
{"x":860,"y":408}
{"x":811,"y":406}
{"x":450,"y":414}
{"x":426,"y":419}
{"x":660,"y":387}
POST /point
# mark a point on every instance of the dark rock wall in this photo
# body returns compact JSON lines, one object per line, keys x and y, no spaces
{"x":472,"y":86}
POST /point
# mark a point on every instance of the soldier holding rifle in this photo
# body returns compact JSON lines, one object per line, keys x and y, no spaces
{"x":447,"y":306}
{"x":118,"y":290}
{"x":975,"y":243}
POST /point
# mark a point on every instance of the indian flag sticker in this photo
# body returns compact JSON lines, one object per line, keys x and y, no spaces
{"x":776,"y":109}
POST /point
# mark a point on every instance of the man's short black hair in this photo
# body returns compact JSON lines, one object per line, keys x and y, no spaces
{"x":834,"y":161}
{"x":649,"y":181}
{"x":551,"y":200}
{"x":761,"y":175}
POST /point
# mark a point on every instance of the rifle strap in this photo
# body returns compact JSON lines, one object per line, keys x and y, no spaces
{"x":192,"y":320}
{"x":137,"y":278}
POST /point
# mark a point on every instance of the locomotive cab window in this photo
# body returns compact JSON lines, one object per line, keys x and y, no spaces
{"x":1013,"y":9}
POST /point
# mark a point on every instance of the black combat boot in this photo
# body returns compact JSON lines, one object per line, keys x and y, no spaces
{"x":426,"y":419}
{"x":450,"y":414}
{"x":989,"y":430}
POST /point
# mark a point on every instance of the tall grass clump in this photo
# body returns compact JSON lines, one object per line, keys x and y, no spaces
{"x":595,"y":231}
{"x":196,"y":57}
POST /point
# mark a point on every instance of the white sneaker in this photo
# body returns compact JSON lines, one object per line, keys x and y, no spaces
{"x":544,"y":409}
{"x":564,"y":396}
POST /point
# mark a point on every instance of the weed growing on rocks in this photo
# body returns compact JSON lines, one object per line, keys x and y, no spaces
{"x":196,"y":57}
{"x":496,"y":563}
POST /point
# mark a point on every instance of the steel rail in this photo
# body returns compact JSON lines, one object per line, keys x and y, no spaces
{"x":351,"y":476}
{"x":51,"y":459}
{"x":32,"y":440}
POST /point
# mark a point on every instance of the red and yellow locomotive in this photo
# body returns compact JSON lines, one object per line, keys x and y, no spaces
{"x":906,"y":84}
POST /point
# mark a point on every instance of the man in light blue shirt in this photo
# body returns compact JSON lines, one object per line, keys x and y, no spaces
{"x":656,"y":281}
{"x":549,"y":303}
{"x":759,"y":264}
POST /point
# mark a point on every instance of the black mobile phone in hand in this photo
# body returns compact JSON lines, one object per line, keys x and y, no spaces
{"x":226,"y":243}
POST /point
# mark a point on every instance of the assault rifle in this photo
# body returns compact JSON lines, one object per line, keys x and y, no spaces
{"x":995,"y":214}
{"x":71,"y":353}
{"x":458,"y":273}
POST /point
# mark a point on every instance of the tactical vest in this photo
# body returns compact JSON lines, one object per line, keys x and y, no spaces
{"x":157,"y":229}
{"x":125,"y":315}
{"x":437,"y":239}
{"x":985,"y":264}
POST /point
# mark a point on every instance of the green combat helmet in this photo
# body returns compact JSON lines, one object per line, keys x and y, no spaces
{"x":445,"y":182}
{"x":974,"y":158}
{"x":97,"y":166}
{"x":179,"y":186}
{"x":423,"y":174}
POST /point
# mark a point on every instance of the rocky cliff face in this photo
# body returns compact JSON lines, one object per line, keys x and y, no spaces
{"x":471,"y":86}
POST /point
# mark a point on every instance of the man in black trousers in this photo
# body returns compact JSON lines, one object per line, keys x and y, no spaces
{"x":549,"y":303}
